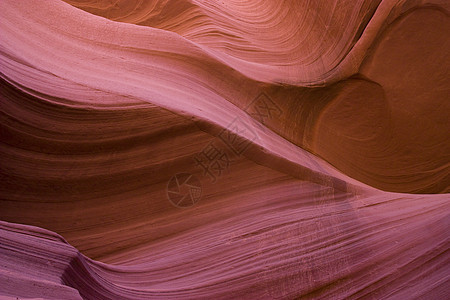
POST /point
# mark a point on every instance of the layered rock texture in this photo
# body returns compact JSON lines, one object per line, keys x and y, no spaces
{"x":259,"y":149}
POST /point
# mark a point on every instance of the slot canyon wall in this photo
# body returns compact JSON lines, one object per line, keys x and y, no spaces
{"x":259,"y":149}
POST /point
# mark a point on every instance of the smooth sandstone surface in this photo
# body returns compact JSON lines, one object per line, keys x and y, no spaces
{"x":340,"y":110}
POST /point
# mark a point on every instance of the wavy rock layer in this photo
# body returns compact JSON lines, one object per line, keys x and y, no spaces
{"x":103,"y":102}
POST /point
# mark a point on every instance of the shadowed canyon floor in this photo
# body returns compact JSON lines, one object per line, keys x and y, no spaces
{"x":260,"y":149}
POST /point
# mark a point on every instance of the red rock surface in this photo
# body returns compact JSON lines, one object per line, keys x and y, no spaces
{"x":338,"y":112}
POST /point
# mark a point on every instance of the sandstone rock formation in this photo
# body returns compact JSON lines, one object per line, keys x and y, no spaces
{"x":260,"y":149}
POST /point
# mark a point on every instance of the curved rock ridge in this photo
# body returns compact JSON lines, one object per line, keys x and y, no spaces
{"x":319,"y":247}
{"x":187,"y":149}
{"x":161,"y":67}
{"x":306,"y":43}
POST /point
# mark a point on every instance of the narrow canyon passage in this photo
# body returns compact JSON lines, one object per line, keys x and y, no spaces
{"x":186,"y":149}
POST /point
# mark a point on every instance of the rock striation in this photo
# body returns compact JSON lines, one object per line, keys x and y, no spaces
{"x":187,"y":149}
